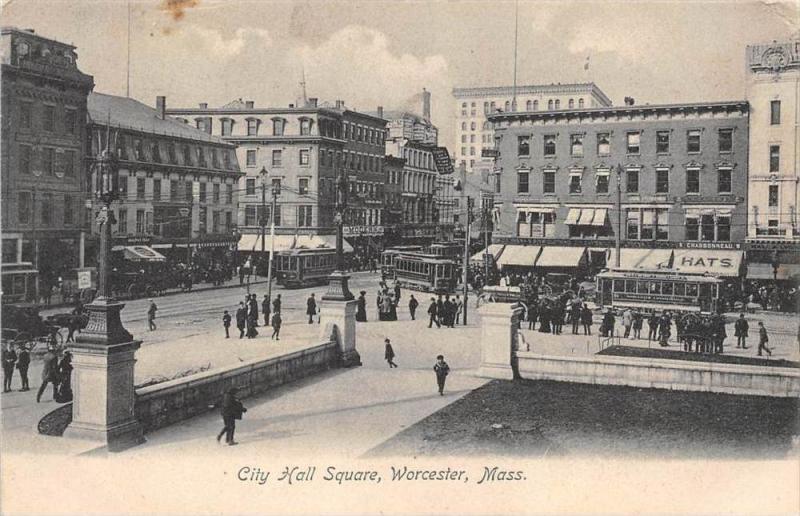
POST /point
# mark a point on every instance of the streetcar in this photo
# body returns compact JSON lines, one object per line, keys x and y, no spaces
{"x":448,"y":250}
{"x":297,"y":268}
{"x":388,"y":256}
{"x":426,"y":272}
{"x":659,"y":290}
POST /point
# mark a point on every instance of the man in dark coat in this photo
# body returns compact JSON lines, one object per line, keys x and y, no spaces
{"x":719,"y":333}
{"x":442,"y":370}
{"x":49,"y":373}
{"x":388,"y":354}
{"x":265,"y":309}
{"x":241,"y":319}
{"x":586,"y":319}
{"x":740,"y":331}
{"x":412,"y":307}
{"x":664,"y":329}
{"x":253,"y":309}
{"x":311,"y":308}
{"x":652,"y":322}
{"x":361,"y":308}
{"x":231,"y":410}
{"x":441,"y":315}
{"x":433,"y":314}
{"x":9,"y":360}
{"x":396,"y":292}
{"x":607,"y":327}
{"x":276,"y":305}
{"x":763,"y":338}
{"x":226,"y":323}
{"x":448,"y":312}
{"x":23,"y":362}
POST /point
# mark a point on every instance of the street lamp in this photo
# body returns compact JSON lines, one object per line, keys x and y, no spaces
{"x":185,"y":213}
{"x":263,"y":217}
{"x":337,"y":281}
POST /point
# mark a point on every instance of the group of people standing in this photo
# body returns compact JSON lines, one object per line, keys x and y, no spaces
{"x":552,"y":314}
{"x":247,"y":316}
{"x":56,"y":372}
{"x":445,"y":312}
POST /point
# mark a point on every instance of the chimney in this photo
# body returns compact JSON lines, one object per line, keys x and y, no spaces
{"x":249,"y":104}
{"x":380,"y":111}
{"x":312,"y":102}
{"x":161,"y":107}
{"x":426,"y":104}
{"x":203,"y":105}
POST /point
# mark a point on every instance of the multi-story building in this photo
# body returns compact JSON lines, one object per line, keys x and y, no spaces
{"x":473,"y":132}
{"x":177,"y":184}
{"x":43,"y":110}
{"x":393,"y":201}
{"x":660,"y":177}
{"x":302,"y":148}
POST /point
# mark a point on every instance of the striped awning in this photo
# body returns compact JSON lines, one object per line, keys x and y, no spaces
{"x":520,"y":255}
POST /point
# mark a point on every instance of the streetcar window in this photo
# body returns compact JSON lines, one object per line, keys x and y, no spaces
{"x":630,"y":286}
{"x":641,"y":287}
{"x":655,"y":287}
{"x":705,"y":291}
{"x":619,"y":285}
{"x":691,"y":289}
{"x":666,"y":288}
{"x":680,"y":289}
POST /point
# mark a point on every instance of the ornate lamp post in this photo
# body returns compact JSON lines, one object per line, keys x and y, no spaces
{"x":337,"y":281}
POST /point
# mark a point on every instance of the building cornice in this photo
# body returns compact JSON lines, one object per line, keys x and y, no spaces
{"x":586,"y":87}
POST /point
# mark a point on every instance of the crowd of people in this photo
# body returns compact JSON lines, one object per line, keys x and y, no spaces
{"x":56,"y":371}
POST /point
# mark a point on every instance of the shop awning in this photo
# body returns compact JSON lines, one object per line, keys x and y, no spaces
{"x":764,"y":271}
{"x":587,"y":216}
{"x":561,"y":257}
{"x":641,"y":258}
{"x":573,"y":216}
{"x":524,"y":255}
{"x":600,"y":217}
{"x":252,"y":242}
{"x":142,"y":253}
{"x":712,"y":261}
{"x":494,"y":249}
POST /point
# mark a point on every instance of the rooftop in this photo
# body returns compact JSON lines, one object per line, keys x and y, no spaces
{"x":32,"y":33}
{"x":527,"y":89}
{"x":127,"y":113}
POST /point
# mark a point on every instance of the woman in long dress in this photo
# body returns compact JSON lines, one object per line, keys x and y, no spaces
{"x":361,"y":310}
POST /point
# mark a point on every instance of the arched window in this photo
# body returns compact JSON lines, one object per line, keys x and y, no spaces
{"x":580,"y":103}
{"x":528,"y":105}
{"x":536,"y":105}
{"x":571,"y":103}
{"x":472,"y":126}
{"x":508,"y":106}
{"x":463,"y":126}
{"x":550,"y":105}
{"x":558,"y":104}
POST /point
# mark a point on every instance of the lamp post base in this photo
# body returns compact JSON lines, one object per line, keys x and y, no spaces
{"x":337,"y":288}
{"x":105,"y":325}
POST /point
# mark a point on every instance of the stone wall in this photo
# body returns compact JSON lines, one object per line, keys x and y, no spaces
{"x":167,"y":403}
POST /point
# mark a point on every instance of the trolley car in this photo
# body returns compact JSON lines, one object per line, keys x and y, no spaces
{"x":447,"y":250}
{"x":299,"y":268}
{"x":426,"y":272}
{"x":388,"y":256}
{"x":659,"y":290}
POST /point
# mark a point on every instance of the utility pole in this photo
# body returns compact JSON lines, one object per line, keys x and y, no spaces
{"x":35,"y":246}
{"x":485,"y":222}
{"x":466,"y":256}
{"x":618,"y":232}
{"x":263,"y":211}
{"x":275,"y":192}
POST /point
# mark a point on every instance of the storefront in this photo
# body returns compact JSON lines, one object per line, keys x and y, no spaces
{"x":562,"y":259}
{"x":717,"y":262}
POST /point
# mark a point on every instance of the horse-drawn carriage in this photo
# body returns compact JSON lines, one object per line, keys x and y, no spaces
{"x":23,"y":325}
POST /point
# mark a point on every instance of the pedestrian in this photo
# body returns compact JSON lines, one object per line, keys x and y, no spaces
{"x":388,"y":353}
{"x":533,"y":314}
{"x":240,"y":270}
{"x":442,"y":370}
{"x":652,"y":323}
{"x":49,"y":372}
{"x":741,"y":328}
{"x":586,"y":319}
{"x":23,"y":362}
{"x":638,"y":322}
{"x":441,"y":315}
{"x":311,"y":308}
{"x":664,"y":329}
{"x":763,"y":338}
{"x":576,"y":314}
{"x":276,"y":326}
{"x":412,"y":307}
{"x":9,"y":357}
{"x":226,"y":322}
{"x":73,"y":323}
{"x":433,"y":314}
{"x":361,"y":308}
{"x":719,"y":333}
{"x":627,"y":322}
{"x":252,"y":307}
{"x":232,"y":409}
{"x":241,"y":319}
{"x":265,"y":309}
{"x":607,"y":328}
{"x":396,"y":292}
{"x":276,"y":305}
{"x":151,"y":315}
{"x":459,"y":308}
{"x":64,"y":394}
{"x":449,"y":316}
{"x":251,"y":318}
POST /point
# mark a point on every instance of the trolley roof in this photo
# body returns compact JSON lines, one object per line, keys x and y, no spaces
{"x":658,"y":274}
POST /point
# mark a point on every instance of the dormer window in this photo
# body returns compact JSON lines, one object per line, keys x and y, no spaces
{"x":305,"y":126}
{"x":187,"y":155}
{"x":138,"y":148}
{"x":278,"y":126}
{"x":156,"y":153}
{"x":171,"y":153}
{"x":226,"y":126}
{"x":252,"y":126}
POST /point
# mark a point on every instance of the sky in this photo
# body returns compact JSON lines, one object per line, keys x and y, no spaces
{"x":381,"y":52}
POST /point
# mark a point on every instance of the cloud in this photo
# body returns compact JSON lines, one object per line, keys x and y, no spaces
{"x":219,"y":45}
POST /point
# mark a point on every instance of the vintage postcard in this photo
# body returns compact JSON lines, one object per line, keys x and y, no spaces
{"x":400,"y":257}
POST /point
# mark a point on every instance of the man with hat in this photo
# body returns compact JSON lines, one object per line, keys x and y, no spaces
{"x":232,"y":409}
{"x":151,"y":315}
{"x":49,"y":372}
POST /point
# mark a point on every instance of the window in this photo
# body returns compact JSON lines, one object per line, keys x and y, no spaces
{"x":472,"y":151}
{"x":201,"y":157}
{"x":632,"y":181}
{"x":123,"y":187}
{"x":633,"y":225}
{"x":773,"y":196}
{"x":250,"y":215}
{"x":189,"y":191}
{"x":251,"y":158}
{"x":774,"y":158}
{"x":508,"y":105}
{"x":69,"y":210}
{"x":305,"y":126}
{"x":725,"y":142}
{"x":215,"y":220}
{"x":522,"y":181}
{"x":277,"y":157}
{"x":601,"y":180}
{"x":662,"y":142}
{"x":775,"y":112}
{"x":69,"y":121}
{"x":226,"y":159}
{"x":549,"y":145}
{"x":173,"y":190}
{"x":228,"y":194}
{"x":463,"y":138}
{"x":523,"y":145}
{"x":156,"y":189}
{"x":550,"y":105}
{"x":707,"y":228}
{"x":48,"y":157}
{"x":202,"y":194}
{"x":304,"y":216}
{"x":122,"y":221}
{"x":24,"y":208}
{"x":662,"y":180}
{"x":486,"y":108}
{"x":138,"y":149}
{"x":277,"y":127}
{"x":603,"y":144}
{"x":203,"y":218}
{"x":49,"y":118}
{"x":215,"y":192}
{"x":571,"y":103}
{"x":304,"y":157}
{"x":226,"y":126}
{"x":693,"y":140}
{"x":24,"y":159}
{"x":580,"y":103}
{"x":549,"y":182}
{"x":463,"y":109}
{"x":214,"y":158}
{"x":528,"y":105}
{"x":471,"y":138}
{"x":10,"y":248}
{"x":47,"y":209}
{"x":576,"y":145}
{"x":772,"y":227}
{"x":472,"y":126}
{"x":140,"y":188}
{"x":558,"y":104}
{"x":692,"y":228}
{"x":156,"y":152}
{"x":463,"y":126}
{"x":250,"y":186}
{"x":723,"y":229}
{"x":25,"y":114}
{"x":187,"y":155}
{"x":632,"y":140}
{"x":693,"y":181}
{"x":228,"y":221}
{"x":575,"y":182}
{"x":724,"y":180}
{"x":302,"y":186}
{"x":171,"y":153}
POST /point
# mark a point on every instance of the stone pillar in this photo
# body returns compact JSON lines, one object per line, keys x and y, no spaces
{"x":104,"y":397}
{"x":342,"y":314}
{"x":499,"y":324}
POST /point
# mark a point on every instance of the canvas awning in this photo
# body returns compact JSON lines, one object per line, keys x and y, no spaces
{"x":600,"y":217}
{"x":494,"y":249}
{"x":587,"y":216}
{"x":523,"y":255}
{"x":561,"y":257}
{"x":572,"y":216}
{"x":712,"y":261}
{"x":641,"y":258}
{"x":764,"y":271}
{"x":142,"y":253}
{"x":252,"y":242}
